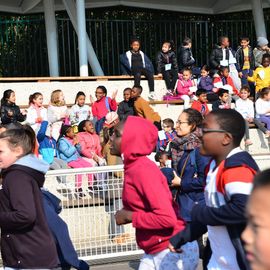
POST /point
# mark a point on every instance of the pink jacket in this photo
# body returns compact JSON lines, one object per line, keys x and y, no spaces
{"x":90,"y":144}
{"x":183,"y":86}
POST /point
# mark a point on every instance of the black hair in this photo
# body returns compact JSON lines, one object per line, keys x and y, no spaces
{"x":64,"y":130}
{"x":232,"y":122}
{"x":169,"y":122}
{"x":171,"y":42}
{"x":244,"y":38}
{"x":220,"y":39}
{"x":186,"y":41}
{"x":194,"y":117}
{"x":221,"y":69}
{"x":206,"y":68}
{"x":200,"y":92}
{"x":262,"y":180}
{"x":265,"y":91}
{"x":187,"y":69}
{"x":103,"y":88}
{"x":6,"y":95}
{"x":135,"y":39}
{"x":80,"y":93}
{"x":222,"y":91}
{"x":127,"y":89}
{"x":82,"y":124}
{"x":23,"y":137}
{"x":159,"y":154}
{"x":266,"y":55}
{"x":139,"y":88}
{"x":34,"y":96}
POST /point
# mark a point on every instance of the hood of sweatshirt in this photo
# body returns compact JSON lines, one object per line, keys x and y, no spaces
{"x":139,"y":138}
{"x":32,"y":165}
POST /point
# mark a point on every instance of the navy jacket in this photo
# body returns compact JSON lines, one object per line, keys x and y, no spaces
{"x":193,"y":182}
{"x":125,"y":63}
{"x":231,"y":215}
{"x":66,"y":252}
{"x":125,"y":109}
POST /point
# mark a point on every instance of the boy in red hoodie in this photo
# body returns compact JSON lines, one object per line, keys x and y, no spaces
{"x":153,"y":218}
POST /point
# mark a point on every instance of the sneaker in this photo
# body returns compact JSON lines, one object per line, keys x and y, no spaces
{"x":79,"y":193}
{"x":152,"y":96}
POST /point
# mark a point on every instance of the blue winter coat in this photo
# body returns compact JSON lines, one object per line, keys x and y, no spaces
{"x":125,"y":63}
{"x":193,"y":182}
{"x":66,"y":151}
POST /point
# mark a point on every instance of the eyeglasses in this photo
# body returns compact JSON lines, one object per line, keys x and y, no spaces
{"x":165,"y":126}
{"x":209,"y":130}
{"x":180,"y":123}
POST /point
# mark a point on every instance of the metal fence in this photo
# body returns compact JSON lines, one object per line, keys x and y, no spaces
{"x":89,"y":212}
{"x":23,"y":50}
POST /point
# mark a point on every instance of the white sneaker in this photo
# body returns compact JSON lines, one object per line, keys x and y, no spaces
{"x":152,"y":96}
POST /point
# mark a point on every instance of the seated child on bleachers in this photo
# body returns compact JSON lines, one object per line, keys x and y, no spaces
{"x":57,"y":112}
{"x":10,"y":112}
{"x":201,"y":103}
{"x":166,"y":135}
{"x":185,"y":87}
{"x":246,"y":108}
{"x":79,"y":111}
{"x":224,"y":81}
{"x":68,"y":148}
{"x":102,"y":106}
{"x":262,"y":106}
{"x":224,"y":100}
{"x":126,"y":107}
{"x":261,"y":75}
{"x":167,"y":66}
{"x":205,"y":81}
{"x":36,"y":113}
{"x":142,"y":107}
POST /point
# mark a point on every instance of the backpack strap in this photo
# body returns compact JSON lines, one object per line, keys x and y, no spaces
{"x":107,"y":104}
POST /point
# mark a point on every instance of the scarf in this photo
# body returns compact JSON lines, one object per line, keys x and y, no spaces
{"x":181,"y":144}
{"x":38,"y":110}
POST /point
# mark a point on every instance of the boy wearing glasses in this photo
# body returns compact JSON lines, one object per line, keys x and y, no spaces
{"x":229,"y":180}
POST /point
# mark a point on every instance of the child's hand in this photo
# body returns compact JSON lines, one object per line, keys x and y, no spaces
{"x":190,"y":93}
{"x":123,"y":217}
{"x":114,"y":94}
{"x":172,"y":249}
{"x":95,"y":157}
{"x":240,"y":74}
{"x":39,"y":120}
{"x":176,"y":182}
{"x":24,"y":112}
{"x":160,"y":75}
{"x":91,"y":100}
{"x":75,"y":140}
{"x":10,"y":113}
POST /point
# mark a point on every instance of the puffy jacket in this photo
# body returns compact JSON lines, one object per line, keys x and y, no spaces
{"x":26,"y":241}
{"x":125,"y":63}
{"x":67,"y":151}
{"x":16,"y":114}
{"x":185,"y":58}
{"x":164,"y":59}
{"x":239,"y":55}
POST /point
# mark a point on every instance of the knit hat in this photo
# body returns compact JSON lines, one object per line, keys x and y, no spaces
{"x":262,"y":41}
{"x":110,"y":118}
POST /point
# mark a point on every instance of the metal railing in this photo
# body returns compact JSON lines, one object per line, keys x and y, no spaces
{"x":89,"y":212}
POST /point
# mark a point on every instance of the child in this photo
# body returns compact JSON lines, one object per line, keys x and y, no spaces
{"x":22,"y":220}
{"x":224,"y":100}
{"x":205,"y":81}
{"x":167,"y":134}
{"x":126,"y":107}
{"x":102,"y":106}
{"x":246,"y":108}
{"x":155,"y":221}
{"x":36,"y":113}
{"x":142,"y":107}
{"x":68,"y":148}
{"x":79,"y":111}
{"x":10,"y":112}
{"x":256,"y":235}
{"x":262,"y":106}
{"x":184,"y":87}
{"x":57,"y":112}
{"x":201,"y":103}
{"x":228,"y":185}
{"x":167,"y":66}
{"x":245,"y":59}
{"x":135,"y":62}
{"x":224,"y":81}
{"x":261,"y":76}
{"x":47,"y":149}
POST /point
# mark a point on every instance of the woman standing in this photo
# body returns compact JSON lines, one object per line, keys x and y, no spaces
{"x":154,"y":218}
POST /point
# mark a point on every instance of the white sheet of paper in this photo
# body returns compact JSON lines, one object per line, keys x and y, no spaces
{"x":232,"y":60}
{"x":218,"y":84}
{"x":261,"y":74}
{"x":193,"y":89}
{"x":161,"y":135}
{"x":168,"y":67}
{"x":224,"y":63}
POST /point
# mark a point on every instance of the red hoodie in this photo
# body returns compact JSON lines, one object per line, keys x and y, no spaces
{"x":146,"y":192}
{"x":99,"y":108}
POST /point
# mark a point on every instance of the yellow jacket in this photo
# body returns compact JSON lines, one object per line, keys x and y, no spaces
{"x":261,"y":77}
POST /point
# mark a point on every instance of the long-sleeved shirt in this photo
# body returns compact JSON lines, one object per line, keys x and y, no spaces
{"x":245,"y":107}
{"x":262,"y":107}
{"x":261,"y":77}
{"x":100,"y":107}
